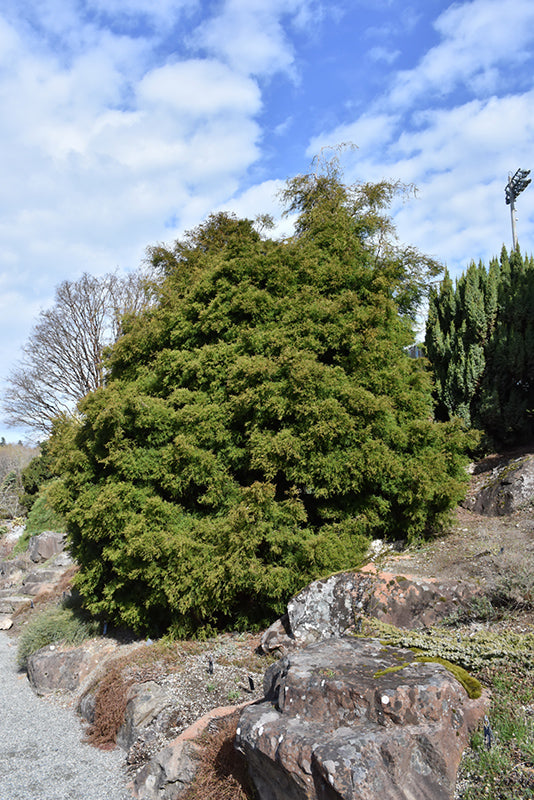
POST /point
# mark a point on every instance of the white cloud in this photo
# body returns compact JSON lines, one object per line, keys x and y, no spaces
{"x":263,"y":198}
{"x":200,"y":88}
{"x":370,"y":131}
{"x":459,"y":159}
{"x":106,"y":146}
{"x":250,"y":36}
{"x":383,"y":54}
{"x":9,"y":43}
{"x":457,"y":147}
{"x":476,"y":37}
{"x":70,"y":25}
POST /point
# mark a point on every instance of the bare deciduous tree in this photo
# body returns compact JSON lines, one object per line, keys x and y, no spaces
{"x":62,"y":359}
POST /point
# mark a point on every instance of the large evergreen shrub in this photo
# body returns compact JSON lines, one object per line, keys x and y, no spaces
{"x":259,"y":424}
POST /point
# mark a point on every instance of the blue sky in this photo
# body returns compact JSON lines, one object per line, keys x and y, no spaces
{"x":125,"y":122}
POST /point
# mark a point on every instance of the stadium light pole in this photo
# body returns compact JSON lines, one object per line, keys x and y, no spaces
{"x":514,"y":187}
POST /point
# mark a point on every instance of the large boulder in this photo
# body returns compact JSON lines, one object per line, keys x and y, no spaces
{"x":52,"y":668}
{"x":509,"y":488}
{"x":169,"y":773}
{"x":46,"y":545}
{"x":146,"y":702}
{"x":331,"y":607}
{"x":350,"y":719}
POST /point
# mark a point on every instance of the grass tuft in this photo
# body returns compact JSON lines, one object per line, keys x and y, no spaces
{"x":53,"y":626}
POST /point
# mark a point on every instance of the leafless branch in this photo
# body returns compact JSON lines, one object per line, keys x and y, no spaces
{"x":62,"y":359}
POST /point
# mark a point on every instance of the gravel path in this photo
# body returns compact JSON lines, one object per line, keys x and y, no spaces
{"x":41,"y":753}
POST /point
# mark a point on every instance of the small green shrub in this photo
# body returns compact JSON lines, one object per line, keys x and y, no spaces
{"x":260,"y":421}
{"x":42,"y":516}
{"x":53,"y":626}
{"x":34,"y":475}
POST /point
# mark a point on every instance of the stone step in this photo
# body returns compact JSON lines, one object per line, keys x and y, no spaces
{"x":8,"y":605}
{"x":35,"y":581}
{"x":42,"y":576}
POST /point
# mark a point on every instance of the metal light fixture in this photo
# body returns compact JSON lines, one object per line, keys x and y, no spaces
{"x":516,"y":184}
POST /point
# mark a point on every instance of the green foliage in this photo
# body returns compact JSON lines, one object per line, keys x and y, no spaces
{"x":42,"y":517}
{"x":34,"y":475}
{"x":480,"y":341}
{"x":259,"y":423}
{"x":53,"y":626}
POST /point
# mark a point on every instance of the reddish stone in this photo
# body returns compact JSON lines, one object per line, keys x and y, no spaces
{"x":352,"y":720}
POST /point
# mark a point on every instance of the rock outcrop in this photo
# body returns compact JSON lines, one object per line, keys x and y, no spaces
{"x":38,"y":581}
{"x":510,"y":488}
{"x":52,"y":668}
{"x":28,"y":577}
{"x":349,"y":719}
{"x":343,"y":717}
{"x":46,"y":545}
{"x":331,"y":607}
{"x":146,"y":702}
{"x":168,"y":775}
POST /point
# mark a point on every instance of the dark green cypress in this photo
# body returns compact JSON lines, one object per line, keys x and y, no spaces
{"x":480,"y":341}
